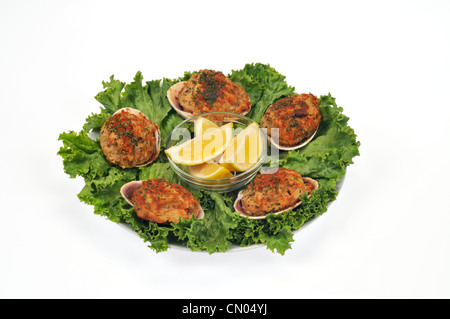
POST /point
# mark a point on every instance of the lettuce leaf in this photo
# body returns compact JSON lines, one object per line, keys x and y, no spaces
{"x":167,"y":126}
{"x":110,"y":97}
{"x":157,"y":90}
{"x":137,"y":96}
{"x":213,"y":233}
{"x":95,"y":121}
{"x":326,"y":159}
{"x":104,"y":194}
{"x":82,"y":156}
{"x":150,"y":99}
{"x":264,"y":86}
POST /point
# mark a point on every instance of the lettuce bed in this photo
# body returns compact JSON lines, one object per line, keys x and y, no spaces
{"x":324,"y":159}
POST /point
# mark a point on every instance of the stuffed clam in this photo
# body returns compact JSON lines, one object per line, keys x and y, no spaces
{"x":276,"y":191}
{"x":160,"y":201}
{"x":129,"y":138}
{"x":293,"y":121}
{"x":208,"y":91}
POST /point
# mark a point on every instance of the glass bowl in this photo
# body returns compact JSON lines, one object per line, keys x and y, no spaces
{"x":185,"y":131}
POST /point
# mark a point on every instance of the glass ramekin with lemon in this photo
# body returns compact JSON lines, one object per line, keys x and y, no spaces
{"x":217,"y":151}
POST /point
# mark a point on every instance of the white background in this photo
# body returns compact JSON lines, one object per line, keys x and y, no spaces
{"x":386,"y":62}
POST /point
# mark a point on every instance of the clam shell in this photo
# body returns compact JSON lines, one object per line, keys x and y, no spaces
{"x":158,"y":134}
{"x":127,"y":191}
{"x":289,"y":148}
{"x":238,"y":207}
{"x":172,"y":95}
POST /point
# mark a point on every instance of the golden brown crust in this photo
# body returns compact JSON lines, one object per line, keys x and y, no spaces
{"x":159,"y":201}
{"x":129,"y":139}
{"x":309,"y":185}
{"x":297,"y":117}
{"x":270,"y":193}
{"x":210,"y":91}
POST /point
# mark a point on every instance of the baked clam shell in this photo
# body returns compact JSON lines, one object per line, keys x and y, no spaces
{"x":157,"y":133}
{"x":238,"y":207}
{"x":290,"y":148}
{"x":172,"y":95}
{"x":127,"y":192}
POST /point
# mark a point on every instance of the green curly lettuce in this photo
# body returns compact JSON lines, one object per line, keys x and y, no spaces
{"x":324,"y":159}
{"x":264,"y":86}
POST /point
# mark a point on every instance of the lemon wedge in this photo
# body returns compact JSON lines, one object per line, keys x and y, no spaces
{"x":209,"y":171}
{"x":244,"y":151}
{"x":203,"y":148}
{"x":201,"y":125}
